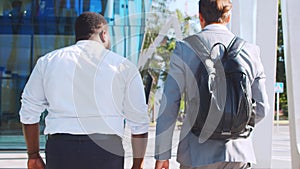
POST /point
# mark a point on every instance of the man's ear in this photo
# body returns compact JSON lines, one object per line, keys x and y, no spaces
{"x":228,"y":19}
{"x":201,"y":17}
{"x":102,"y":36}
{"x":202,"y":21}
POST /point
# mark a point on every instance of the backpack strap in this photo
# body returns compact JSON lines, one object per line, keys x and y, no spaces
{"x":215,"y":114}
{"x":197,"y":45}
{"x":201,"y":50}
{"x":234,"y":48}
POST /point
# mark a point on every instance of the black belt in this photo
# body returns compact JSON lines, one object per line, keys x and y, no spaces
{"x":63,"y":136}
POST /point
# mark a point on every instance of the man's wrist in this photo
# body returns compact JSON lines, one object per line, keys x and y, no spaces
{"x":162,"y":160}
{"x":34,"y":154}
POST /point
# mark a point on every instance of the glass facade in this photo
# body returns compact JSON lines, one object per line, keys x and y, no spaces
{"x":31,"y":28}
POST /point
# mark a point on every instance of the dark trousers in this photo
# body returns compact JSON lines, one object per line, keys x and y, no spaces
{"x":64,"y":151}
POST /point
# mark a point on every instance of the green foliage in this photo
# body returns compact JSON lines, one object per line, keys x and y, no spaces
{"x":184,"y":21}
{"x":149,"y":38}
{"x":280,"y":69}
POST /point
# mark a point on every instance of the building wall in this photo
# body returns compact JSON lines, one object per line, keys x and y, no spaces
{"x":290,"y":13}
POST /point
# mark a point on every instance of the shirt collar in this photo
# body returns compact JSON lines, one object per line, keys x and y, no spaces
{"x":215,"y":27}
{"x":90,"y":42}
{"x":92,"y":46}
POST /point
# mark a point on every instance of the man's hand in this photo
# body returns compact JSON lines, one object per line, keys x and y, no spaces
{"x":32,"y":133}
{"x":162,"y":164}
{"x":36,"y":163}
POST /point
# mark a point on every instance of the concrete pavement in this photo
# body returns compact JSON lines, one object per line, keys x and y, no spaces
{"x":281,"y":158}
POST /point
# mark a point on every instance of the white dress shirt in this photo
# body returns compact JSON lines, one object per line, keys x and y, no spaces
{"x":86,"y":89}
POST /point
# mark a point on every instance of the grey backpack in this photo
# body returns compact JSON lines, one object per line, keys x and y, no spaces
{"x":226,"y":110}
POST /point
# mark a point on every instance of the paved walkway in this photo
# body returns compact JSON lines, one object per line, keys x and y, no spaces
{"x":281,"y":158}
{"x":281,"y":150}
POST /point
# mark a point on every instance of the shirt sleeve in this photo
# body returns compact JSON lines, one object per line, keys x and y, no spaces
{"x":33,"y":98}
{"x":135,"y":107}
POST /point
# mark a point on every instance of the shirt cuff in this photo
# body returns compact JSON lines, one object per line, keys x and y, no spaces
{"x":138,"y":129}
{"x":163,"y":156}
{"x":29,"y":120}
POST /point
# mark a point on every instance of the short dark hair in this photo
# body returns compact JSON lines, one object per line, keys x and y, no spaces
{"x":87,"y":24}
{"x":215,"y":10}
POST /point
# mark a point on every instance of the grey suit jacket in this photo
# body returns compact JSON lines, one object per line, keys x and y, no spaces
{"x":184,"y":66}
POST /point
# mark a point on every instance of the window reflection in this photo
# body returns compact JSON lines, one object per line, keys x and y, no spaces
{"x":16,"y":15}
{"x":31,"y":28}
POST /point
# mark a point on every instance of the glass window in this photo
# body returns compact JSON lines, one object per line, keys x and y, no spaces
{"x":31,"y":28}
{"x":117,"y":7}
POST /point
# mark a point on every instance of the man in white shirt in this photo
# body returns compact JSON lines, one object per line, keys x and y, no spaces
{"x":89,"y":92}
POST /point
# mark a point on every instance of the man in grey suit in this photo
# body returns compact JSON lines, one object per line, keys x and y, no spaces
{"x":182,"y":78}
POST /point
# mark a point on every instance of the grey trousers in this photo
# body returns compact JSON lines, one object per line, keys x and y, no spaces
{"x":221,"y":165}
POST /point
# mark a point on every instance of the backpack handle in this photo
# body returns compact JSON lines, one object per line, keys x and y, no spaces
{"x":217,"y":44}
